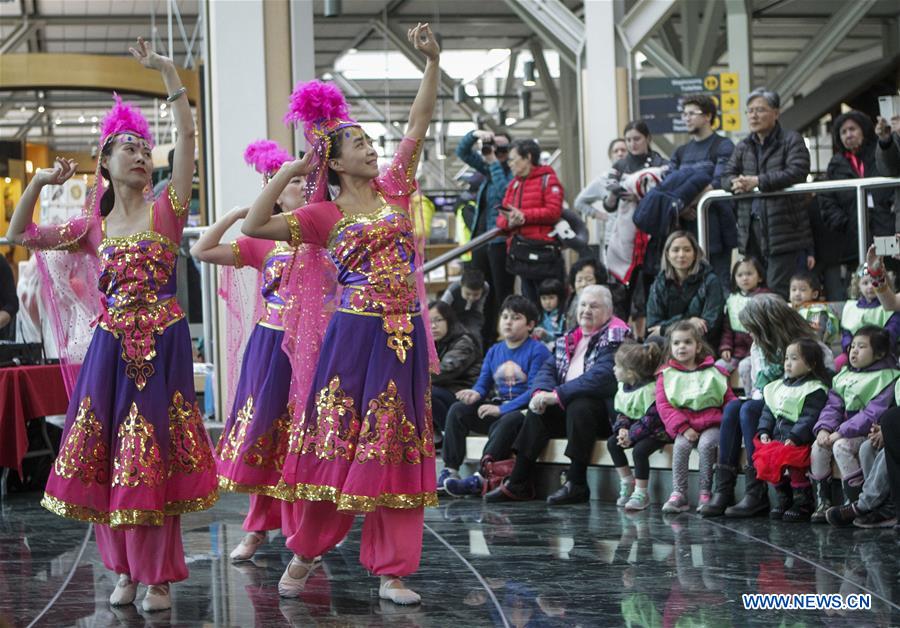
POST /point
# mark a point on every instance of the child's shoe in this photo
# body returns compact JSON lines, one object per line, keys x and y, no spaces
{"x":460,"y":487}
{"x":444,"y":476}
{"x":705,"y":497}
{"x":639,"y":500}
{"x":626,"y":488}
{"x":676,"y":503}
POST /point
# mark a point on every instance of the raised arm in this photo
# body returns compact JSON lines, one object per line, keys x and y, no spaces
{"x":183,"y":163}
{"x":422,"y":109}
{"x":260,"y":223}
{"x":208,"y":248}
{"x":23,"y":215}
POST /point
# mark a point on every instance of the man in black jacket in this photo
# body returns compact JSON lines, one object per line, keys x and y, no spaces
{"x":775,"y":229}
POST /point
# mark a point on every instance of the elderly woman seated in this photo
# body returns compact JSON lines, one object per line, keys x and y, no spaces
{"x":572,"y":394}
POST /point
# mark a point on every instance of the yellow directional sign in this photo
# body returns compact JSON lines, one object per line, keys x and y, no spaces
{"x":716,"y":123}
{"x":729,"y":81}
{"x":729,"y":101}
{"x":711,"y":82}
{"x":731,"y":122}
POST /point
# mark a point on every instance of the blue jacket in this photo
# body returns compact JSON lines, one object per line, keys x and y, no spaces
{"x":598,"y":380}
{"x":492,"y":190}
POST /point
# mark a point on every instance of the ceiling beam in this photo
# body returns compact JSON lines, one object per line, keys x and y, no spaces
{"x":702,"y":56}
{"x":23,"y":130}
{"x":822,"y":44}
{"x":22,"y":32}
{"x":555,"y":24}
{"x":447,"y":83}
{"x":547,"y":84}
{"x":95,"y":20}
{"x":642,"y":20}
{"x":662,"y":60}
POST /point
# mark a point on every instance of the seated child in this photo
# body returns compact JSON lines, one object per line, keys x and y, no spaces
{"x":863,"y":308}
{"x":502,"y":389}
{"x":748,"y":278}
{"x":860,"y":393}
{"x":805,"y":295}
{"x":553,"y":321}
{"x":792,"y":406}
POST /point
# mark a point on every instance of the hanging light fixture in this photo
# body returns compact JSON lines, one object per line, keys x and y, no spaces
{"x":332,"y":8}
{"x":529,"y":81}
{"x":524,"y":104}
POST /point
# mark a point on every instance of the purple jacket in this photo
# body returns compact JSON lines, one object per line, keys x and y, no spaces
{"x":892,"y":326}
{"x":835,"y":418}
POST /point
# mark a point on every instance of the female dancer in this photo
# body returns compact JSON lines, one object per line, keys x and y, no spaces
{"x":250,"y":453}
{"x":135,"y":454}
{"x":362,"y":439}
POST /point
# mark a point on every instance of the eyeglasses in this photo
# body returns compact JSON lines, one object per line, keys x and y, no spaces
{"x":758,"y":111}
{"x":691,"y":114}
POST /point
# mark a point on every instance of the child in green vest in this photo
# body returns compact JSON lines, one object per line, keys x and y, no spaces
{"x":785,"y":432}
{"x":864,"y":309}
{"x":690,"y":395}
{"x":637,"y":423}
{"x":747,"y":279}
{"x":860,"y":393}
{"x":805,"y":296}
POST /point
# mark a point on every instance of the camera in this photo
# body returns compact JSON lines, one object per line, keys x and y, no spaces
{"x":487,"y":147}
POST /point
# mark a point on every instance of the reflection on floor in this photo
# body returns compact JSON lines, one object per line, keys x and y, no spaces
{"x":497,"y":565}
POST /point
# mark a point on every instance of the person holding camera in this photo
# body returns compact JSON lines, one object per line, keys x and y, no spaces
{"x":531,"y":208}
{"x":492,"y":162}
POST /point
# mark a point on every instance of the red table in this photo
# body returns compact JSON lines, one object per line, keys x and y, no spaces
{"x":26,"y":393}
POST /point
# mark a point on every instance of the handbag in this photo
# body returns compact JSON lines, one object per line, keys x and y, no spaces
{"x":533,"y":259}
{"x":493,"y":472}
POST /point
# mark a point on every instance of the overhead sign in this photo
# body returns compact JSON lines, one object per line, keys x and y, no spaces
{"x":659,"y":103}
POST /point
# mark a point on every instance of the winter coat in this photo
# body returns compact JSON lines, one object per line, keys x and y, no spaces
{"x":491,"y":191}
{"x":738,"y":342}
{"x":887,"y":160}
{"x":700,"y":295}
{"x":783,"y":160}
{"x":835,"y":418}
{"x":460,"y":355}
{"x":598,"y":380}
{"x":539,"y":199}
{"x":838,"y":209}
{"x":677,"y":420}
{"x":801,"y":432}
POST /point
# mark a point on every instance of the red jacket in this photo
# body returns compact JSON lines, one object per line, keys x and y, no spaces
{"x":541,"y":202}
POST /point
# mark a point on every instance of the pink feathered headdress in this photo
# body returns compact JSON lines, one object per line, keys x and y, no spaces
{"x":123,"y":118}
{"x":322,"y":110}
{"x":266,"y":157}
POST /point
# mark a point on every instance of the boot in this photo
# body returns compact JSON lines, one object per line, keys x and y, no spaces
{"x":785,"y":499}
{"x":803,"y":505}
{"x":756,"y":497}
{"x":851,"y":493}
{"x":724,"y":495}
{"x":822,"y":489}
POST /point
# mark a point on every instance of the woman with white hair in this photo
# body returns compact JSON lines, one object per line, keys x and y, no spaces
{"x":570,"y":398}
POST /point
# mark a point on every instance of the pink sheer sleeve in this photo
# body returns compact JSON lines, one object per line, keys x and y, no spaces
{"x":250,"y":252}
{"x":311,"y":224}
{"x":169,"y":214}
{"x":66,"y":236}
{"x":399,"y":179}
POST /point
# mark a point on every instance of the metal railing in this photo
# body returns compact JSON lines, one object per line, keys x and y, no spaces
{"x":462,"y":249}
{"x":859,"y":185}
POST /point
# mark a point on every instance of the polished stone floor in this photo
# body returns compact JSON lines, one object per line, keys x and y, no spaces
{"x":507,"y":565}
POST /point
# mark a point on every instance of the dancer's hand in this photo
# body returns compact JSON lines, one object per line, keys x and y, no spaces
{"x":424,"y":41}
{"x":147,"y":57}
{"x":61,"y":171}
{"x":299,"y":167}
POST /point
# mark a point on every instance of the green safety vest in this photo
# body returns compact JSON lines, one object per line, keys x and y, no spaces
{"x":695,"y":390}
{"x":897,"y":393}
{"x":853,"y":317}
{"x":811,"y":313}
{"x":734,"y":305}
{"x":857,"y":389}
{"x":787,"y":401}
{"x":634,"y":404}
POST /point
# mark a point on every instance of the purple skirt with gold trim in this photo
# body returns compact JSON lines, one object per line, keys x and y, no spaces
{"x":132,"y":456}
{"x":365,"y":437}
{"x":251,"y":451}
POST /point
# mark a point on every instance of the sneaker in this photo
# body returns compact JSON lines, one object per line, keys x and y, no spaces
{"x":443,"y":477}
{"x":704,"y":500}
{"x":639,"y":500}
{"x":676,"y":503}
{"x":460,"y":487}
{"x":844,"y":515}
{"x":125,"y":591}
{"x":157,"y":598}
{"x":626,"y":488}
{"x":875,"y":519}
